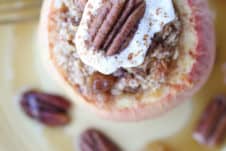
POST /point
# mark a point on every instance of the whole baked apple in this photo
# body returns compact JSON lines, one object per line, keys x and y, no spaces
{"x":129,"y":60}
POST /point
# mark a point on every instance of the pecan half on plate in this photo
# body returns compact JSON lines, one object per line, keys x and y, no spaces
{"x":211,"y":128}
{"x":49,"y":109}
{"x":94,"y":140}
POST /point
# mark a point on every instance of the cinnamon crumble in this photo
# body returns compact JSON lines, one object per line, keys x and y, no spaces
{"x":152,"y":74}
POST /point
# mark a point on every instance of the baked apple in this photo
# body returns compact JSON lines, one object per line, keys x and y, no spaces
{"x":132,"y":59}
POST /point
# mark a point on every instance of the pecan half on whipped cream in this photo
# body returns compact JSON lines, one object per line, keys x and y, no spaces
{"x":112,"y":29}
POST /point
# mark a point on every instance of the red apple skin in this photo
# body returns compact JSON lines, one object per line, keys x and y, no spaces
{"x":205,"y":55}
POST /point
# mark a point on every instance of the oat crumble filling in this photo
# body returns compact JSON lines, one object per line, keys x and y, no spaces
{"x":152,"y":74}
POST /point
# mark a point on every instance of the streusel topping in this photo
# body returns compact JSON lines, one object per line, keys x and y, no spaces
{"x":150,"y":75}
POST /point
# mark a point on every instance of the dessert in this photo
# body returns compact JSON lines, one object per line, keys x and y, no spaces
{"x":132,"y":59}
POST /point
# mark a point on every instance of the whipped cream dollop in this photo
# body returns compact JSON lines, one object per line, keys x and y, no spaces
{"x":157,"y":14}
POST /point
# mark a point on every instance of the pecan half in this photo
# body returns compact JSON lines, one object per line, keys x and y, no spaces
{"x":94,"y":140}
{"x":211,"y":129}
{"x":47,"y":108}
{"x":114,"y":26}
